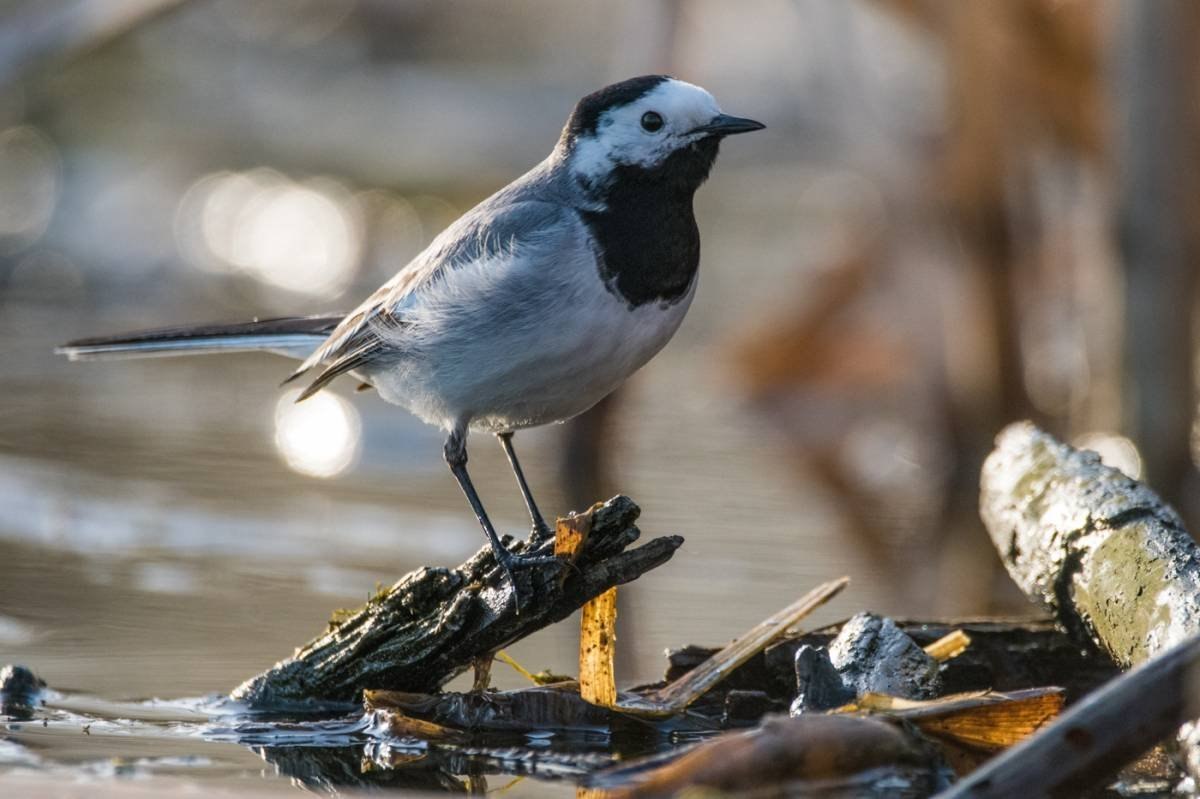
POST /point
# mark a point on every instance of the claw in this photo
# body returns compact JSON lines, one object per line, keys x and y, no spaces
{"x":506,"y":565}
{"x":510,"y":563}
{"x":528,"y":561}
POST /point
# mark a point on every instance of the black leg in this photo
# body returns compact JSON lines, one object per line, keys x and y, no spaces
{"x":455,"y":452}
{"x":535,"y":516}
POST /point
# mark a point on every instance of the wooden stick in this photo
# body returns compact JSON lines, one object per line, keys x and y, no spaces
{"x":676,"y":696}
{"x":949,"y":646}
{"x":597,"y":647}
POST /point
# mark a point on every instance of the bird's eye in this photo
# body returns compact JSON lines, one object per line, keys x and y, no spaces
{"x":652,"y":121}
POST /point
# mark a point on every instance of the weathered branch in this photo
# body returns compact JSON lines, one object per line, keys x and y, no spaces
{"x":434,"y":623}
{"x":1097,"y":548}
{"x":1100,"y":550}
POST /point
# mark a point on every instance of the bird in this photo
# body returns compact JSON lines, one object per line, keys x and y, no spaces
{"x":532,"y":306}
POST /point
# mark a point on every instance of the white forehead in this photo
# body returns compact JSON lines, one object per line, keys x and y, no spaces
{"x":679,"y":100}
{"x":620,"y":139}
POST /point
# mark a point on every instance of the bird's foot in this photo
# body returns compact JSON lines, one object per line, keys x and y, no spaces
{"x":511,"y":563}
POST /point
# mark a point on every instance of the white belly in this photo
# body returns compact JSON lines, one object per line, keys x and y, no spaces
{"x":535,"y":350}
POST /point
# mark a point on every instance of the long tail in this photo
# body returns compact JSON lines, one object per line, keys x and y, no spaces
{"x":293,"y":337}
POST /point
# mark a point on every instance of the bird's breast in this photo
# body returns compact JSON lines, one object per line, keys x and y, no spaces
{"x":647,"y":246}
{"x":593,"y":348}
{"x":551,"y":351}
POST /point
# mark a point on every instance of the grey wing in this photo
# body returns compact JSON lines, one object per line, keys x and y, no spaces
{"x":487,"y":231}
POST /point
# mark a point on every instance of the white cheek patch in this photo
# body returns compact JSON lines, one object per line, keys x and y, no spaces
{"x":614,"y":144}
{"x":620,"y":140}
{"x":590,"y":159}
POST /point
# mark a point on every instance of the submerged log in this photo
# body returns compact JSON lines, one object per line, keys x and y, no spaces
{"x":1098,"y":549}
{"x":435,"y":622}
{"x":523,"y":710}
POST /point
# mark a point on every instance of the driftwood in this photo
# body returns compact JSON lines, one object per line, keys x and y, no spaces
{"x":435,"y":622}
{"x":806,"y":755}
{"x":563,"y":705}
{"x":1101,"y":551}
{"x":559,"y":706}
{"x":1004,"y":655}
{"x":1098,"y":549}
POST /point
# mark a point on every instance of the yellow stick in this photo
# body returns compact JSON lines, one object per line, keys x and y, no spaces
{"x":597,"y":644}
{"x":673,"y":698}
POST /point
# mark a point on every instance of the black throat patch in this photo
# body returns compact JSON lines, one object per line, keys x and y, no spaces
{"x":649,"y":245}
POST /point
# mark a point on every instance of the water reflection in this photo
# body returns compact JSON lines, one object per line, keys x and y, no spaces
{"x":321,"y":436}
{"x":14,"y":632}
{"x":165,"y":578}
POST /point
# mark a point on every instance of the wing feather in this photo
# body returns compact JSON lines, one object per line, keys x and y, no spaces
{"x":491,"y":229}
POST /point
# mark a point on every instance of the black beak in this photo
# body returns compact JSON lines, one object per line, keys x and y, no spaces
{"x":725,"y":125}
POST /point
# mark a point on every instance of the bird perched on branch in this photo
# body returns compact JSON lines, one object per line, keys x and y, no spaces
{"x":533,"y":305}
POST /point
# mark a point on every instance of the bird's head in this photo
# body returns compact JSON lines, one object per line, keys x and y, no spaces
{"x":653,"y":127}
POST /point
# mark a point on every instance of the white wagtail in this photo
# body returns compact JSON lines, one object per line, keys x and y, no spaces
{"x":536,"y":303}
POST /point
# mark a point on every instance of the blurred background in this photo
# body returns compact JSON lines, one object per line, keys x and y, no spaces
{"x":962,"y":213}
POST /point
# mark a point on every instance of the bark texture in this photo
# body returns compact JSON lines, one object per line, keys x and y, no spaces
{"x":435,"y":622}
{"x":1097,"y":548}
